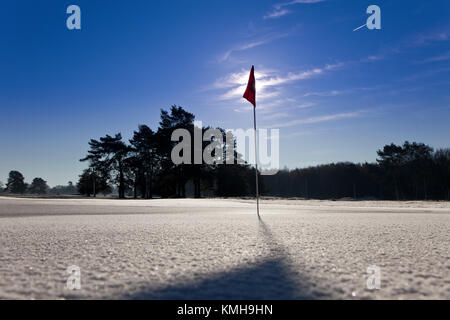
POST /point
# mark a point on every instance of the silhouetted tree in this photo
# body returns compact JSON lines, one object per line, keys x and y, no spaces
{"x":88,"y":179}
{"x":38,"y":186}
{"x":133,"y":169}
{"x":442,"y":173}
{"x":178,"y":118}
{"x":109,"y":154}
{"x":145,"y":159}
{"x":418,"y":165}
{"x":391,"y":160}
{"x":235,"y":179}
{"x":16,"y":183}
{"x":198,"y":172}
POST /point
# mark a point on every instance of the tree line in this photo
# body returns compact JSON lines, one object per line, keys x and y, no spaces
{"x":412,"y":171}
{"x":142,"y":168}
{"x":16,"y":185}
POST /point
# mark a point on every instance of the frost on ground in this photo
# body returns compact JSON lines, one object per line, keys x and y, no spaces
{"x":218,"y":249}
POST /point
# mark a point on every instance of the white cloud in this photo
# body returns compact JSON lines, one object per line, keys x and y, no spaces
{"x":266,"y":82}
{"x":331,"y":93}
{"x":252,"y":44}
{"x":273,"y":103}
{"x":443,"y":57}
{"x":276,"y":13}
{"x":425,"y":74}
{"x":276,"y":106}
{"x":273,"y":116}
{"x":305,"y":105}
{"x":428,"y":38}
{"x":285,"y":4}
{"x":279,"y":8}
{"x":296,"y":134}
{"x":318,"y":119}
{"x":374,"y":58}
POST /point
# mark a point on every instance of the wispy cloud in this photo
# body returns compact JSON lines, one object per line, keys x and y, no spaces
{"x":372,"y":58}
{"x":442,"y":57}
{"x":318,"y":119}
{"x":305,"y":105}
{"x":424,"y":39}
{"x":296,"y":134}
{"x":280,"y":10}
{"x":330,"y":93}
{"x":282,"y":106}
{"x":414,"y":41}
{"x":426,"y":74}
{"x":290,"y":3}
{"x":334,"y":93}
{"x":252,"y":44}
{"x":274,"y":116}
{"x":267,"y":82}
{"x":276,"y":13}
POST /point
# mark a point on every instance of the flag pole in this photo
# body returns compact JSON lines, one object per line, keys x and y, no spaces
{"x":250,"y":95}
{"x":256,"y":163}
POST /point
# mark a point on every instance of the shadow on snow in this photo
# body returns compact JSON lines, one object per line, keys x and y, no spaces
{"x":269,"y":279}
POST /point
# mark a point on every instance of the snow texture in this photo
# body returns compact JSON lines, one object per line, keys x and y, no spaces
{"x":219,"y":249}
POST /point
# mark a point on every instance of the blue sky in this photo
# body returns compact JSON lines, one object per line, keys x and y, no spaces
{"x":334,"y":93}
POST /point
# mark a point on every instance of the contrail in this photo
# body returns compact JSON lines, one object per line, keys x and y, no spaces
{"x":359,"y":27}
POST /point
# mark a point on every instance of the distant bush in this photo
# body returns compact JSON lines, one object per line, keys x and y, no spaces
{"x":16,"y":183}
{"x":70,"y":189}
{"x":38,"y":186}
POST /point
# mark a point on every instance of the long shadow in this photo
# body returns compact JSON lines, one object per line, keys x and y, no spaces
{"x":269,"y":279}
{"x":262,"y":281}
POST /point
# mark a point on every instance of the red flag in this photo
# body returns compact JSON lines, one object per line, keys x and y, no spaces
{"x":250,"y":93}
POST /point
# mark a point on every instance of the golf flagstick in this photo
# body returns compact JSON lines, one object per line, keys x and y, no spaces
{"x":256,"y":163}
{"x":250,"y":95}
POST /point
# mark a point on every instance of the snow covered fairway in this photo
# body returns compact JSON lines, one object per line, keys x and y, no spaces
{"x":212,"y":249}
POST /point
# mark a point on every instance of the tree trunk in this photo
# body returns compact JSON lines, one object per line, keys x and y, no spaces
{"x":135,"y":185}
{"x":95,"y":191}
{"x":178,"y":189}
{"x":149,"y":187}
{"x":149,"y":181}
{"x":197,"y":188}
{"x":145,"y":192}
{"x":183,"y":189}
{"x":425,"y":190}
{"x":148,"y":184}
{"x":306,"y":189}
{"x":121,"y":182}
{"x":397,"y":194}
{"x":417,"y":191}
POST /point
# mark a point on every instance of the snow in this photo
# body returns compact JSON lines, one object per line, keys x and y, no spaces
{"x":217,"y":248}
